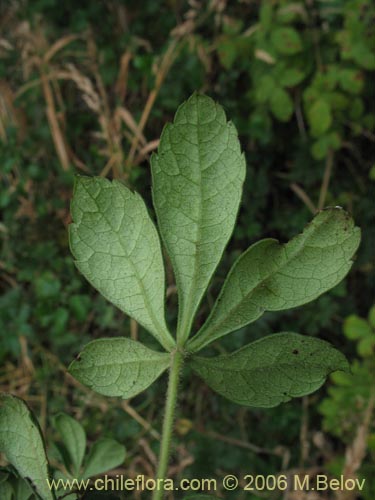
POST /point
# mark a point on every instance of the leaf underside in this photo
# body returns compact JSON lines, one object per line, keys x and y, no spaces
{"x":197,"y":184}
{"x":271,"y":370}
{"x":118,"y":367}
{"x":117,"y":249}
{"x":273,"y":277}
{"x":22,"y":443}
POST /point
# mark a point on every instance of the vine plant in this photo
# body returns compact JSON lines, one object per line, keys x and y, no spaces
{"x":197,"y":178}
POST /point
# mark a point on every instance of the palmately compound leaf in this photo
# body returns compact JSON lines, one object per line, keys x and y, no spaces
{"x":74,"y":439}
{"x":197,"y":183}
{"x":273,"y":277}
{"x":22,"y":443}
{"x":271,"y":370}
{"x":104,"y":455}
{"x":117,"y":249}
{"x":118,"y":366}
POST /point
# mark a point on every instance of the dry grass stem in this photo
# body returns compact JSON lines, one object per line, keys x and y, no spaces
{"x":302,"y":195}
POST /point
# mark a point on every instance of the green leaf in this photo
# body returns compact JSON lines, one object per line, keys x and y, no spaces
{"x":291,"y":77}
{"x":74,"y":439}
{"x":366,"y":346}
{"x":286,"y":14}
{"x":371,"y":316}
{"x":286,"y":41}
{"x":104,"y":455}
{"x":356,"y":108}
{"x":117,"y":249}
{"x":271,"y":370}
{"x":79,"y":306}
{"x":273,"y":277}
{"x":321,"y":147}
{"x":338,"y":101}
{"x":22,"y":489}
{"x":351,"y":81}
{"x":265,"y":88}
{"x":356,"y":327}
{"x":320,"y":117}
{"x":118,"y":367}
{"x":363,"y":55}
{"x":6,"y":491}
{"x":22,"y":443}
{"x":281,"y":104}
{"x":227,"y":50}
{"x":62,"y":493}
{"x":197,"y":183}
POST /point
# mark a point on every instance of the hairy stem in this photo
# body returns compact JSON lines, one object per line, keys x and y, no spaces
{"x":170,"y":405}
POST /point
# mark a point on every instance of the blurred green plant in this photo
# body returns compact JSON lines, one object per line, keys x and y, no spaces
{"x":294,"y":60}
{"x":349,"y":396}
{"x":28,"y":476}
{"x":350,"y":405}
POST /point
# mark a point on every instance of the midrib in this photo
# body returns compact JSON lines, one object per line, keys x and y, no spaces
{"x":189,"y":309}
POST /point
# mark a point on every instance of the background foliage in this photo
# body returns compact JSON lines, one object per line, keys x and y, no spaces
{"x":87,"y":87}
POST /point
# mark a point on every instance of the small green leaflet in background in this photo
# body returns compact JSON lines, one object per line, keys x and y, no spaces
{"x":14,"y":487}
{"x":117,"y":249}
{"x":363,"y":331}
{"x":271,"y":370}
{"x":265,"y":89}
{"x":74,"y":439}
{"x":6,"y":491}
{"x":22,"y":443}
{"x":118,"y":366}
{"x":325,"y":143}
{"x":23,"y":490}
{"x":273,"y":277}
{"x":197,"y":184}
{"x":356,"y":328}
{"x":61,"y":492}
{"x":104,"y":455}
